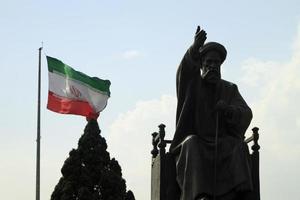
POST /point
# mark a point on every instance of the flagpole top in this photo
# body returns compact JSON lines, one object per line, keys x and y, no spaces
{"x":42,"y":43}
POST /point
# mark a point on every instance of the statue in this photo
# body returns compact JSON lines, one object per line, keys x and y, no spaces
{"x":212,"y":160}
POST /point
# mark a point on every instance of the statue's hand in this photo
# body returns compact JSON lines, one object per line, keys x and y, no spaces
{"x":231,"y":113}
{"x":200,"y":38}
{"x":221,"y":106}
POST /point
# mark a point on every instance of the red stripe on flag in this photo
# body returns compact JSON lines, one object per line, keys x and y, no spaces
{"x":70,"y":106}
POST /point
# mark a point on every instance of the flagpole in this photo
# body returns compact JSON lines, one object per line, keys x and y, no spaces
{"x":38,"y":139}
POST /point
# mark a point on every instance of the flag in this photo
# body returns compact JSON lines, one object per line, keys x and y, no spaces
{"x":73,"y":92}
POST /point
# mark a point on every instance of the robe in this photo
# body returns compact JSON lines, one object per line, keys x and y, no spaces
{"x":194,"y":140}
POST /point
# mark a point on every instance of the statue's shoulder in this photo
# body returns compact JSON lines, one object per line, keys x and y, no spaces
{"x":228,"y":83}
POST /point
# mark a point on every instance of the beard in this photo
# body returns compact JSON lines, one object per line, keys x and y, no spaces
{"x":211,"y":76}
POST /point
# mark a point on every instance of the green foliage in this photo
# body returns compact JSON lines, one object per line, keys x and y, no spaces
{"x":89,"y":173}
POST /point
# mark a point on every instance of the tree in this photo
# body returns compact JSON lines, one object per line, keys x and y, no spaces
{"x":89,"y":173}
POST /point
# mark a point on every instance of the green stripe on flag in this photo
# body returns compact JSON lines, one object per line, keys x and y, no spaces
{"x":58,"y":66}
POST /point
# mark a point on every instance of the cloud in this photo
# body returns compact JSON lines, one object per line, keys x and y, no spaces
{"x":129,"y":140}
{"x":131,"y":54}
{"x":256,"y":73}
{"x":276,"y":111}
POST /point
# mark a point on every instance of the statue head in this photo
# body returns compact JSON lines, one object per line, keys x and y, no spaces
{"x":212,"y":55}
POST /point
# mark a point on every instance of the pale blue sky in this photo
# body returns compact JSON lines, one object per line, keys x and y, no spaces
{"x":137,"y":45}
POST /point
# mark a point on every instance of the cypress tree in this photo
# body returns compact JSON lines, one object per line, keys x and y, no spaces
{"x":89,"y":173}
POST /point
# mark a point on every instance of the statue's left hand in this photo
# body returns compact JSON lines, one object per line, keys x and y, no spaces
{"x":221,"y":105}
{"x":230,"y":112}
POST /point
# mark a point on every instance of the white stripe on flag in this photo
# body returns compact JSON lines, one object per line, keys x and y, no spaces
{"x":73,"y":89}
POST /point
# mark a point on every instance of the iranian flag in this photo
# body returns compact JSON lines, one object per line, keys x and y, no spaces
{"x":73,"y":92}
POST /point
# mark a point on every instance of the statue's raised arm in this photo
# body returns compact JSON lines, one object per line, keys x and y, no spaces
{"x":190,"y":61}
{"x":189,"y":66}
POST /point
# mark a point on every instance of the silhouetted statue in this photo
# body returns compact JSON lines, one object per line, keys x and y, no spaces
{"x":210,"y":111}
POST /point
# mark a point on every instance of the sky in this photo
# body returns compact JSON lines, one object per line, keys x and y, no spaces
{"x":138,"y":46}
